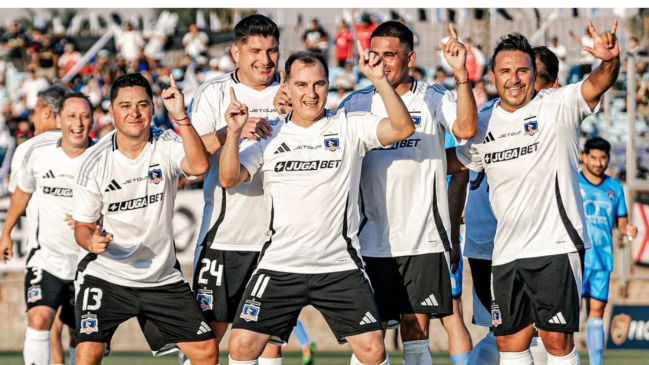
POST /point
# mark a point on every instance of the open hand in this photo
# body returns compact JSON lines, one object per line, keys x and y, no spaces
{"x":606,"y":46}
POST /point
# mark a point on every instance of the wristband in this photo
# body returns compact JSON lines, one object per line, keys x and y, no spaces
{"x":458,"y":82}
{"x":183,"y":124}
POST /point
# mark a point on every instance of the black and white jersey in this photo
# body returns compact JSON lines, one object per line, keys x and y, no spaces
{"x":404,"y":202}
{"x":479,"y":221}
{"x":133,"y":199}
{"x":48,"y":173}
{"x":232,"y":220}
{"x":311,"y":179}
{"x":531,"y":157}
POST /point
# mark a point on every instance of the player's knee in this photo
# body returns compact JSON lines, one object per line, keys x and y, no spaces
{"x":89,"y":353}
{"x":244,"y":345}
{"x":272,"y":351}
{"x":40,"y":318}
{"x":558,"y":343}
{"x":203,"y":353}
{"x":412,"y":329}
{"x":371,"y":350}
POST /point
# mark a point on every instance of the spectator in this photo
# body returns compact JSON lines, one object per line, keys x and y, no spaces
{"x":214,"y":70}
{"x":195,"y":42}
{"x":68,"y":59}
{"x":560,"y":51}
{"x":635,"y":48}
{"x":45,"y":57}
{"x":7,"y":146}
{"x":15,"y":41}
{"x":315,"y":38}
{"x":347,"y":76}
{"x":32,"y":86}
{"x":586,"y":59}
{"x":475,"y":61}
{"x":364,"y":29}
{"x":440,"y":77}
{"x":129,"y":44}
{"x":24,"y":131}
{"x":343,"y":41}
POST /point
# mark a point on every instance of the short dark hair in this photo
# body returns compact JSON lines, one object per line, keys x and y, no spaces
{"x":598,"y":143}
{"x":129,"y":80}
{"x":513,"y":42}
{"x":255,"y":25}
{"x":547,"y":65}
{"x":398,"y":30}
{"x":306,"y":57}
{"x":52,"y":97}
{"x":78,"y":95}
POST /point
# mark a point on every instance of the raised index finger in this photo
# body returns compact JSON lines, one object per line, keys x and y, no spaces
{"x":451,"y":30}
{"x":172,"y":82}
{"x":614,"y":27}
{"x":592,"y":31}
{"x":361,"y":51}
{"x":232,"y":95}
{"x":282,"y":78}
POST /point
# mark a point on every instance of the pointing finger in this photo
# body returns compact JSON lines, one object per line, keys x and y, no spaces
{"x":361,"y":52}
{"x":282,"y":78}
{"x":451,"y":30}
{"x":173,"y":82}
{"x":614,"y":27}
{"x":233,"y":96}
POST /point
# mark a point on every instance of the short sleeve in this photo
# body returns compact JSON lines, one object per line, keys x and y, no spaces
{"x":363,"y":128}
{"x":205,"y":112}
{"x":251,"y":155}
{"x":572,"y":108}
{"x":621,"y":210}
{"x":443,"y":107}
{"x":469,"y":156}
{"x":16,"y":166}
{"x":172,"y":146}
{"x":87,"y":199}
{"x":25,"y":177}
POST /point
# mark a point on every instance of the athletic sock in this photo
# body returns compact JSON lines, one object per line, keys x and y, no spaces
{"x":516,"y":358}
{"x":570,"y":359}
{"x":416,"y":353}
{"x":539,"y":353}
{"x":73,"y":354}
{"x":270,"y":361}
{"x":300,"y":334}
{"x":231,"y":361}
{"x":485,"y":352}
{"x":595,"y":340}
{"x":460,"y":359}
{"x":36,"y":350}
{"x":355,"y":361}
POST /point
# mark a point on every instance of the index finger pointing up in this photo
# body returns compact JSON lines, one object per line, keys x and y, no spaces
{"x":232,"y":95}
{"x":282,"y":78}
{"x":614,"y":27}
{"x":172,"y":83}
{"x":361,"y":51}
{"x":591,"y":30}
{"x":451,"y":30}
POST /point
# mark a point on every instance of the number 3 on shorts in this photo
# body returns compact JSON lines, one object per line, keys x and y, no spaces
{"x":97,"y":294}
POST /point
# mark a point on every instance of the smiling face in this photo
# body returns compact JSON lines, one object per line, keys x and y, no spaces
{"x":513,"y":74}
{"x":257,"y":61}
{"x":75,"y":120}
{"x":132,"y":111}
{"x":308,"y":87}
{"x":596,"y":162}
{"x":396,"y":59}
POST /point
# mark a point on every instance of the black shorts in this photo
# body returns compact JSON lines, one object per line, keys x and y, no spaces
{"x":103,"y":306}
{"x":541,"y":290}
{"x":481,"y":275}
{"x":220,"y":280}
{"x":43,"y":288}
{"x":411,"y":284}
{"x":273,"y":301}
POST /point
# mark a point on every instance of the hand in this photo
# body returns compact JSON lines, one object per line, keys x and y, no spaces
{"x":174,"y":101}
{"x":237,"y":114}
{"x":455,"y":258}
{"x":454,"y":53}
{"x":6,"y":248}
{"x":69,"y":221}
{"x":100,"y":241}
{"x":370,"y":63}
{"x":631,"y":231}
{"x":256,"y":129}
{"x":282,"y":101}
{"x":606,"y":46}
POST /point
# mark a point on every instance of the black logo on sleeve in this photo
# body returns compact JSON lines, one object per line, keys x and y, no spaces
{"x":510,"y":154}
{"x":306,"y":165}
{"x":137,"y":203}
{"x":59,"y":192}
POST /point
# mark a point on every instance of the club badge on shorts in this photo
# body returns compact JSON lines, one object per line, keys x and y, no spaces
{"x":496,"y":319}
{"x":34,"y":294}
{"x":89,"y":324}
{"x":250,"y":311}
{"x":204,"y":298}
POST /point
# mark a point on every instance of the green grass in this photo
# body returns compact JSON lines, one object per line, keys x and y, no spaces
{"x":611,"y":357}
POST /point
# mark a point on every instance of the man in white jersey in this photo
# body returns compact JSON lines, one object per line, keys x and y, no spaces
{"x":128,"y":183}
{"x":405,"y":227}
{"x":481,"y":229}
{"x":47,"y":180}
{"x":234,"y":228}
{"x":527,"y":143}
{"x":310,"y":167}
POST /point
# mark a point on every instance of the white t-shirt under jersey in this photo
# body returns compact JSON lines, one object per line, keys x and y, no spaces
{"x":404,"y":201}
{"x":531,"y":158}
{"x":232,"y":218}
{"x":49,"y":175}
{"x":311,"y":180}
{"x":134,"y":201}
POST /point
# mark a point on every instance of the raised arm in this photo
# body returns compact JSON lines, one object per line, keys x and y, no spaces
{"x":398,"y":125}
{"x":231,"y":172}
{"x":466,"y":124}
{"x":607,"y":49}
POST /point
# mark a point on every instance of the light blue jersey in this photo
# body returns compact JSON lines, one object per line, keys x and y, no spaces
{"x":603,"y":204}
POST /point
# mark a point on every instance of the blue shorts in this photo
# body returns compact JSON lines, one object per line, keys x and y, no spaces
{"x":595,"y":284}
{"x":456,"y":279}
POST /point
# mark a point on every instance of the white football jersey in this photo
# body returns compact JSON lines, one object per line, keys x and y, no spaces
{"x":404,"y":201}
{"x":232,"y":219}
{"x":133,"y":199}
{"x":531,"y":157}
{"x":479,"y":221}
{"x":49,"y":175}
{"x":311,"y":180}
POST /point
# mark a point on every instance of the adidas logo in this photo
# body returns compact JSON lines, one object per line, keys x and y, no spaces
{"x":430,"y":301}
{"x":204,"y":328}
{"x":367,"y":319}
{"x":112,"y":186}
{"x":282,"y":148}
{"x":489,"y":138}
{"x":48,"y":175}
{"x":558,"y":319}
